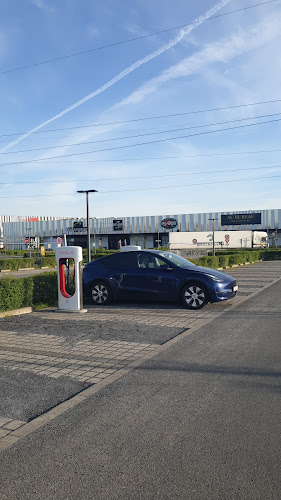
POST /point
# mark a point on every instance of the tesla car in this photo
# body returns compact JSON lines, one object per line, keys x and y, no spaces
{"x":155,"y":275}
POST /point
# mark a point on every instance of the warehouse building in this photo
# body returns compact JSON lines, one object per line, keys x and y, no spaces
{"x":146,"y":231}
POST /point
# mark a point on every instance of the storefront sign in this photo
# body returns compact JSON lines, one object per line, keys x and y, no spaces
{"x":77,"y":225}
{"x":236,"y":219}
{"x":117,"y":224}
{"x":169,"y":223}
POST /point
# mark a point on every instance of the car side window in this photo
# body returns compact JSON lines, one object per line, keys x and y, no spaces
{"x":162,"y":264}
{"x":149,"y":261}
{"x":125,"y":260}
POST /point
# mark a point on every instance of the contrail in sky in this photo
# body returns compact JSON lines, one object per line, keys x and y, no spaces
{"x":126,"y":71}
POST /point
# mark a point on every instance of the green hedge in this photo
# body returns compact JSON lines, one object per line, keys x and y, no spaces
{"x":23,"y":292}
{"x":46,"y":261}
{"x":234,"y":258}
{"x":271,"y":254}
{"x":14,"y":264}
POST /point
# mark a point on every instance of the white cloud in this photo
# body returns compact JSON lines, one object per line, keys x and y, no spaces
{"x":41,"y":4}
{"x":197,"y":22}
{"x":218,"y":52}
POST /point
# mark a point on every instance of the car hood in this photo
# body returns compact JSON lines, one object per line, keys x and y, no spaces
{"x":214,"y":272}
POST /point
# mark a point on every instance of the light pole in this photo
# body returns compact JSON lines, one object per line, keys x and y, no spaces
{"x":87,"y":191}
{"x":95,"y":218}
{"x":213,"y":220}
{"x":29,"y":230}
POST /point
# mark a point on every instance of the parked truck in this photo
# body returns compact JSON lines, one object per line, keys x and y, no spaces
{"x":223,"y":240}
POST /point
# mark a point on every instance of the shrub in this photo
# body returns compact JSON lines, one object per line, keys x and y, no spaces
{"x":45,"y":288}
{"x":209,"y":261}
{"x":223,"y":260}
{"x":46,"y":261}
{"x":271,"y":255}
{"x":23,"y":292}
{"x":15,"y":293}
{"x":14,"y":264}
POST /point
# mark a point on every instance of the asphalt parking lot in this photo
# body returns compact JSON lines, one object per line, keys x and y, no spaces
{"x":49,"y":359}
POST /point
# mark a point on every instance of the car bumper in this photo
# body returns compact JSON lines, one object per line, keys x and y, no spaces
{"x":224,"y":291}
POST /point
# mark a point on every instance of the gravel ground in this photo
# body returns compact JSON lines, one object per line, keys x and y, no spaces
{"x":26,"y":396}
{"x":75,"y":330}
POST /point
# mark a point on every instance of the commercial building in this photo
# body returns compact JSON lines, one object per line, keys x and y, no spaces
{"x":146,"y":231}
{"x":25,"y":222}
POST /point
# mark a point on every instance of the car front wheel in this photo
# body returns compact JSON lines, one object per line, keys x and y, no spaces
{"x":194,"y":296}
{"x":101,"y":293}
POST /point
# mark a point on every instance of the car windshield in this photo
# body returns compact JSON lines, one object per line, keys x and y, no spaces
{"x":176,"y":259}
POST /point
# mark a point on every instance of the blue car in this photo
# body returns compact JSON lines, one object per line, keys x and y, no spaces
{"x":155,"y":275}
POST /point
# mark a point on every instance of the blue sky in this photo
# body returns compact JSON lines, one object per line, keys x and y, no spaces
{"x":140,"y":166}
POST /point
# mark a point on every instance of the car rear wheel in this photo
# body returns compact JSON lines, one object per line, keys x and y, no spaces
{"x":194,"y":296}
{"x":101,"y":293}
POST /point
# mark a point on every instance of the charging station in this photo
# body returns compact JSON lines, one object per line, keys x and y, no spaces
{"x":70,"y":289}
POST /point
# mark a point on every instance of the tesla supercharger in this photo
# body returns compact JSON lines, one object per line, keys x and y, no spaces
{"x":70,"y":290}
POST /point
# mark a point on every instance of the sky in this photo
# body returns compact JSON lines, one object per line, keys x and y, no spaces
{"x":163,"y":108}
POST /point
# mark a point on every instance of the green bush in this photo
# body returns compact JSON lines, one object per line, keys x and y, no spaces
{"x":271,"y":254}
{"x":14,"y":264}
{"x":15,"y":293}
{"x":46,"y":261}
{"x":209,"y":261}
{"x":45,"y":288}
{"x":23,"y":292}
{"x":223,"y":260}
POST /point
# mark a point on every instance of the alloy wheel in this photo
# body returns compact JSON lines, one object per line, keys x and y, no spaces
{"x":194,"y":297}
{"x":100,"y":294}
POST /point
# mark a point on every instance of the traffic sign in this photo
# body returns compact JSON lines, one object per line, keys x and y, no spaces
{"x":59,"y":241}
{"x":26,"y":241}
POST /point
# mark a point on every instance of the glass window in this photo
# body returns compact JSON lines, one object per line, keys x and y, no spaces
{"x":120,"y":260}
{"x":151,"y":261}
{"x":176,"y":259}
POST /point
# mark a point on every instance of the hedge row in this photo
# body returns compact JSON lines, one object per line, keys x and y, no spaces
{"x":238,"y":250}
{"x":271,"y":254}
{"x":27,"y":292}
{"x":229,"y":259}
{"x":50,"y":261}
{"x":14,"y":264}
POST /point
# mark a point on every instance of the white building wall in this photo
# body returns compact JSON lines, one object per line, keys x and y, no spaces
{"x":15,"y":228}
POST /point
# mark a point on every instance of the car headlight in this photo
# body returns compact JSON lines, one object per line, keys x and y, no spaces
{"x":215,"y":278}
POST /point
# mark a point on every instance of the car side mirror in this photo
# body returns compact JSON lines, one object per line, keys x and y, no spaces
{"x":169,"y":268}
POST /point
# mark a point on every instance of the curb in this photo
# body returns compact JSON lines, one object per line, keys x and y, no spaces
{"x":16,"y":312}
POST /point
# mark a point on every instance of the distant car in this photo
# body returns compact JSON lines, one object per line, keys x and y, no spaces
{"x":155,"y":275}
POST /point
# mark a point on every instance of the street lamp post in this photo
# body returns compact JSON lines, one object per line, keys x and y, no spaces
{"x":87,"y":191}
{"x":95,"y":218}
{"x":29,"y":230}
{"x":213,"y":220}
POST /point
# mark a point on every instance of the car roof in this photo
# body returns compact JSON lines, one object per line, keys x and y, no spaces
{"x":144,"y":250}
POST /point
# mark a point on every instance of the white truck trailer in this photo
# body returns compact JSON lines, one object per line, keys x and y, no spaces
{"x":223,"y":240}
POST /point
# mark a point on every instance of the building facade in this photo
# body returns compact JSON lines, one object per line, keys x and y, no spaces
{"x":146,"y":231}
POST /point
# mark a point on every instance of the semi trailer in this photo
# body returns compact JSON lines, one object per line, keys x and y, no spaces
{"x":223,"y":239}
